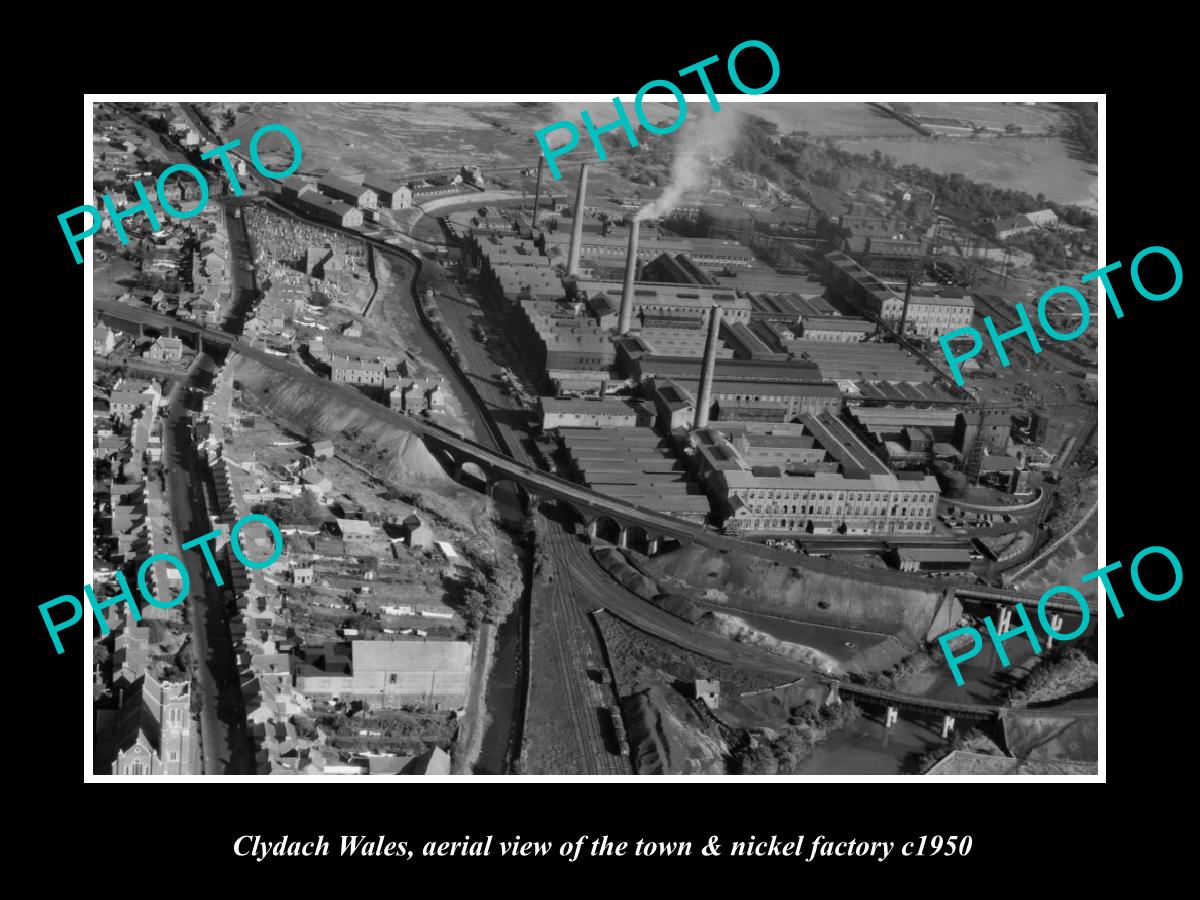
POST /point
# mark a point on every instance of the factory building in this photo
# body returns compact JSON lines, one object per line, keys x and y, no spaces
{"x":677,"y":269}
{"x":816,"y":477}
{"x":840,"y":329}
{"x":348,"y":192}
{"x":391,"y":194}
{"x":734,"y":400}
{"x":900,"y":392}
{"x":604,"y":299}
{"x":388,"y":674}
{"x":329,"y":211}
{"x":610,"y":246}
{"x":907,"y":436}
{"x":746,"y":344}
{"x":790,"y":307}
{"x":573,"y":351}
{"x":601,"y":412}
{"x":702,"y":252}
{"x":769,"y":281}
{"x":664,"y":342}
{"x":992,"y":427}
{"x":862,"y":288}
{"x":516,"y":283}
{"x":935,"y":310}
{"x":893,"y":257}
{"x":293,"y":186}
{"x":636,"y":465}
{"x":863,"y":361}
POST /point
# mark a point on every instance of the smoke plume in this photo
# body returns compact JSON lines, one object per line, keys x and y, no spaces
{"x":711,"y":134}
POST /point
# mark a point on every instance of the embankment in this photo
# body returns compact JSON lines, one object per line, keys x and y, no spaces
{"x":759,"y":585}
{"x":740,"y":630}
{"x":385,"y":450}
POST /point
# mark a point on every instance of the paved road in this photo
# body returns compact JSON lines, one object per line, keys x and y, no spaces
{"x":226,"y":751}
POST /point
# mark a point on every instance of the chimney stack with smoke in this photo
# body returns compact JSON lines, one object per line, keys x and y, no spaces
{"x":577,"y":223}
{"x":704,"y":401}
{"x":537,"y":193}
{"x":631,"y":256}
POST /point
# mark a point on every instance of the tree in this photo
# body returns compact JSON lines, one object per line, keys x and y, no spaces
{"x":475,"y":608}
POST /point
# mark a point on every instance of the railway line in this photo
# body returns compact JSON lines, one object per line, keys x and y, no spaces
{"x":573,"y":564}
{"x":572,"y":650}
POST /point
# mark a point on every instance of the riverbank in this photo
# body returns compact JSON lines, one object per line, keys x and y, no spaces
{"x":476,"y":718}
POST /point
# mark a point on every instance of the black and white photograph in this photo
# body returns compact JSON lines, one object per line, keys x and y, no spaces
{"x":734,"y":436}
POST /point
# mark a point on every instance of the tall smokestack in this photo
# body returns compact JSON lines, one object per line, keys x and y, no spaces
{"x":630,"y":270}
{"x":704,"y":401}
{"x":904,"y":312}
{"x":537,"y":193}
{"x":577,"y":223}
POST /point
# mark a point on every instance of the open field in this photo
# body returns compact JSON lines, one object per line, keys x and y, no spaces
{"x":821,"y":119}
{"x":1036,"y":166}
{"x":406,"y":139}
{"x":994,"y":115}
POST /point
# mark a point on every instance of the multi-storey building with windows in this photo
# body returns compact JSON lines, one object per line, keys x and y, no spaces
{"x":815,"y":477}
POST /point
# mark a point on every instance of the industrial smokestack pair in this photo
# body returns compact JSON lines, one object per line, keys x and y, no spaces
{"x":704,"y":401}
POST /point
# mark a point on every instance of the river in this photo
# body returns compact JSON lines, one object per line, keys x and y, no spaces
{"x":505,"y":696}
{"x":867,"y":748}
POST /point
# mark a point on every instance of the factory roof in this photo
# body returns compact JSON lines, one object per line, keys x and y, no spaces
{"x":838,"y":360}
{"x":312,"y":198}
{"x":934,"y":554}
{"x":881,"y":417}
{"x":337,"y":183}
{"x":744,"y":370}
{"x":836,"y":323}
{"x":925,"y":295}
{"x":411,"y":656}
{"x":693,"y":295}
{"x":383,"y":185}
{"x":796,"y":302}
{"x":608,"y":406}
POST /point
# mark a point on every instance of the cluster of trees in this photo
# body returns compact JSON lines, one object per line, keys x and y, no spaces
{"x":824,"y":163}
{"x":490,"y":593}
{"x":808,"y":725}
{"x":1046,"y":246}
{"x":302,"y":510}
{"x":1085,"y":128}
{"x":791,"y":160}
{"x":1066,"y":670}
{"x":916,"y":662}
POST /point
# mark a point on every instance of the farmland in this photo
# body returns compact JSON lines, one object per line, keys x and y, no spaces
{"x":1034,"y":165}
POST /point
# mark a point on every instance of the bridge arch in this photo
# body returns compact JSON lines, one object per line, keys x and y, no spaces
{"x":474,"y":475}
{"x":509,"y":494}
{"x":605,"y":528}
{"x":635,"y":537}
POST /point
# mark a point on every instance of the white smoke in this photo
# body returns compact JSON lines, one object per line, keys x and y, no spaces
{"x":705,"y":135}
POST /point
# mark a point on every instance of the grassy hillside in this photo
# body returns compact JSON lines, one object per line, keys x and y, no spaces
{"x":821,"y":598}
{"x":387,"y":451}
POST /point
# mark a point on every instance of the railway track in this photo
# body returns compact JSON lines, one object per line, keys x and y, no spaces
{"x":572,"y":651}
